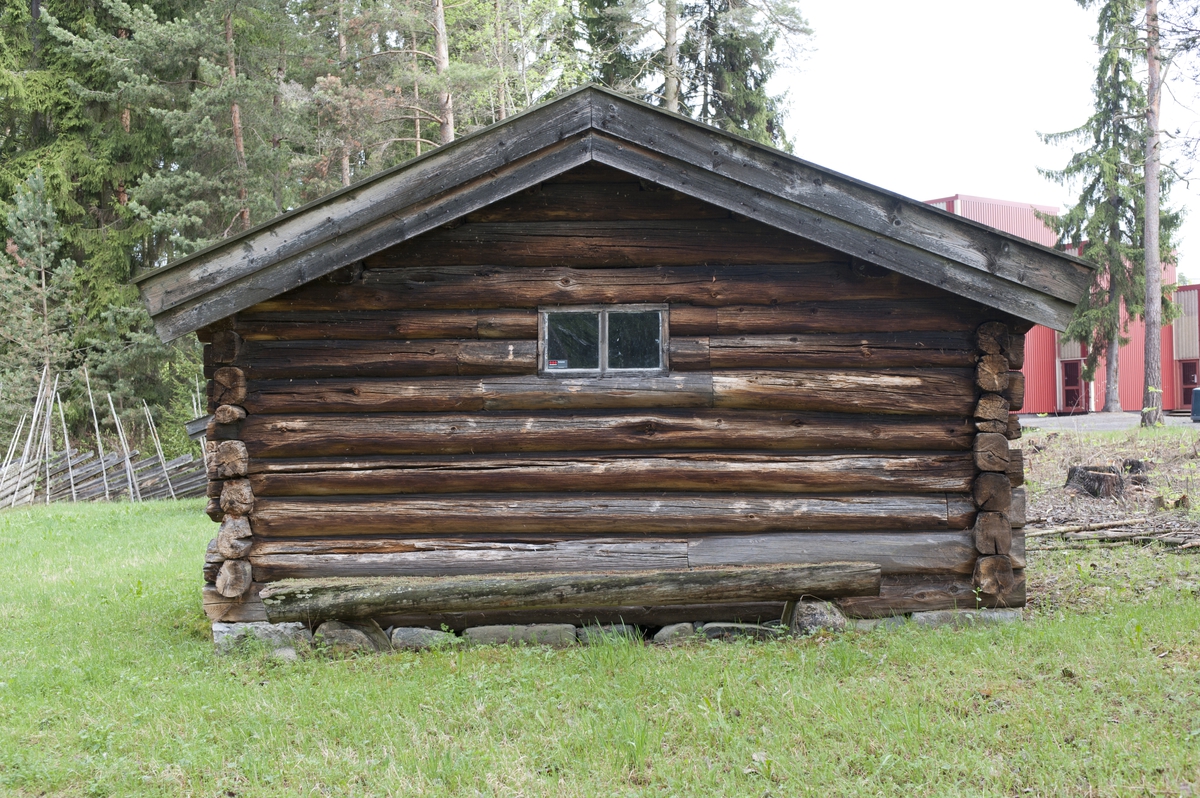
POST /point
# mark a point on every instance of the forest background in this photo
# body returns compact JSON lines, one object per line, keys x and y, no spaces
{"x":133,"y":134}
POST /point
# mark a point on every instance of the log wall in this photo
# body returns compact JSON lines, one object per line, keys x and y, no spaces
{"x":390,"y":419}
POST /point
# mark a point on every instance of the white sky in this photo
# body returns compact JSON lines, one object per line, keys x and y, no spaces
{"x":931,"y":98}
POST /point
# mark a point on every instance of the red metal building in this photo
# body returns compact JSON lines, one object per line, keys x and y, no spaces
{"x":1054,"y":367}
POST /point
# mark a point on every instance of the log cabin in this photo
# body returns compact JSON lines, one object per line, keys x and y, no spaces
{"x":600,"y":343}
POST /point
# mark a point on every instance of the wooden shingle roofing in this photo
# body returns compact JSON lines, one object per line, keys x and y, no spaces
{"x":1001,"y":271}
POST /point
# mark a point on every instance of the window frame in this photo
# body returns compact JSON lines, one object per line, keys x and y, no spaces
{"x":604,"y":371}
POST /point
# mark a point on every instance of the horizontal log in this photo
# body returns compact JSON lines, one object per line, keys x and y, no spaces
{"x":822,"y":350}
{"x":313,"y":600}
{"x":1015,"y":392}
{"x":627,"y":200}
{"x":363,"y":435}
{"x":909,"y":392}
{"x":416,"y":358}
{"x":431,"y":394}
{"x":899,"y":595}
{"x":342,"y":325}
{"x":650,"y":242}
{"x":895,"y":552}
{"x":724,"y":472}
{"x":277,"y":559}
{"x":247,"y":608}
{"x":1016,"y":468}
{"x":901,"y":391}
{"x":639,"y":614}
{"x":847,"y":316}
{"x":530,"y":285}
{"x":605,"y":514}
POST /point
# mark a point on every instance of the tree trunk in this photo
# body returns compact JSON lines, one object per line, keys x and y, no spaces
{"x":442,"y":64}
{"x":671,"y":53}
{"x":239,"y":144}
{"x":1152,"y":401}
{"x":1112,"y":379}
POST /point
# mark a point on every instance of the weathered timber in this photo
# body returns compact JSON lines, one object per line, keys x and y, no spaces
{"x":993,"y":492}
{"x":992,"y":407}
{"x":1016,"y":467}
{"x":246,"y":608}
{"x":212,"y":562}
{"x":224,"y":346}
{"x":213,"y":488}
{"x":822,"y":350}
{"x":994,"y":576}
{"x":213,"y":510}
{"x":489,"y":286}
{"x":993,"y":533}
{"x":991,"y":452}
{"x":234,"y":539}
{"x":895,"y":552}
{"x":313,"y":600}
{"x":237,"y":497}
{"x":922,"y":592}
{"x":416,"y":358}
{"x":1016,"y":513}
{"x":605,"y":514}
{"x":706,"y":471}
{"x":750,"y":612}
{"x":229,"y":414}
{"x":1015,"y":351}
{"x":299,"y":559}
{"x":614,"y":197}
{"x":852,"y":317}
{"x":387,"y":325}
{"x":910,"y":391}
{"x":901,"y":391}
{"x":598,"y":244}
{"x":234,"y":578}
{"x":229,"y":386}
{"x":1017,"y":552}
{"x":992,"y":373}
{"x":1015,"y":392}
{"x":992,"y":337}
{"x":231,"y":460}
{"x":1012,"y":429}
{"x":329,"y":435}
{"x":214,"y":431}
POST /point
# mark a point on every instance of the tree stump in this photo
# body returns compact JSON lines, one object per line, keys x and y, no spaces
{"x":1102,"y":482}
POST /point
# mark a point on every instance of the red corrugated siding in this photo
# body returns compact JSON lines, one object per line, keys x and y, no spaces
{"x":1041,"y":358}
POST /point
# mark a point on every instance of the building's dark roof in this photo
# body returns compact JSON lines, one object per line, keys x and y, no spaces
{"x":996,"y":269}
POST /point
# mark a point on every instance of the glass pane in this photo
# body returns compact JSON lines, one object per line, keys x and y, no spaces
{"x":572,"y":341}
{"x":634,"y":340}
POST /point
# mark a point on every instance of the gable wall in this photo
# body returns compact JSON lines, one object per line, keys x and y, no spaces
{"x":816,"y":408}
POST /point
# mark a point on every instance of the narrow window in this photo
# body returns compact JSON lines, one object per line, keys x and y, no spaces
{"x":599,"y":341}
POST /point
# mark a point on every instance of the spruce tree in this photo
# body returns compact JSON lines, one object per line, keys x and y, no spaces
{"x":1107,"y":220}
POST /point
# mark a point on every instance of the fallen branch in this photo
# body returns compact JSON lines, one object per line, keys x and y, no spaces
{"x":1063,"y":530}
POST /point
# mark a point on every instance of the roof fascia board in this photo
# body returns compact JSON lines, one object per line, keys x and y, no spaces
{"x":887,"y":214}
{"x":444,"y":170}
{"x":765,"y":207}
{"x":399,"y":225}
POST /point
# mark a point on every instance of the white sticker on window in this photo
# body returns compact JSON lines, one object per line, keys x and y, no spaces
{"x":556,"y":364}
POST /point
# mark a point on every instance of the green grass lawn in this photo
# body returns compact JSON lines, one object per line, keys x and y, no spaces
{"x":109,"y":686}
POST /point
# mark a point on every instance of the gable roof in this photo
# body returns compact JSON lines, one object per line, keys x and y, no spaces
{"x":999,"y":270}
